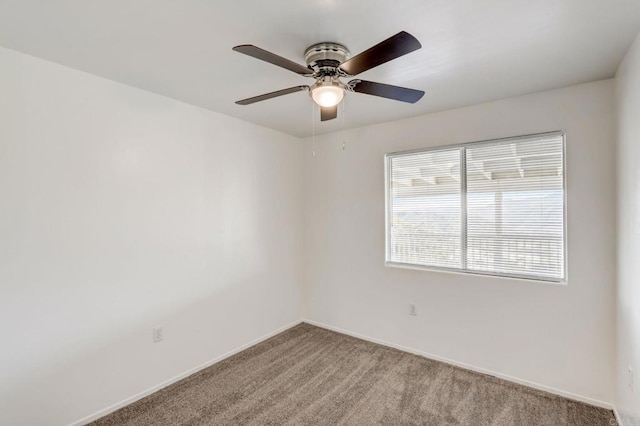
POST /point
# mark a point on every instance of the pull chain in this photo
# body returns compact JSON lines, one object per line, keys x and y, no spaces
{"x":313,"y":127}
{"x":344,"y":119}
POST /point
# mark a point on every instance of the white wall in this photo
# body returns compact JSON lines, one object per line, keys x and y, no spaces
{"x":628,"y":294}
{"x":553,"y":335}
{"x":121,"y":210}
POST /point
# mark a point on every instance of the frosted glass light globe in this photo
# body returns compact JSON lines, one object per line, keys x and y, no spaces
{"x":327,"y":95}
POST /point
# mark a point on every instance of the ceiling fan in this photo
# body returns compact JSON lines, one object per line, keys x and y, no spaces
{"x":327,"y":62}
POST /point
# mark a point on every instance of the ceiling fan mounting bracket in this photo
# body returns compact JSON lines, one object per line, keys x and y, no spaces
{"x":350,"y":86}
{"x":326,"y":56}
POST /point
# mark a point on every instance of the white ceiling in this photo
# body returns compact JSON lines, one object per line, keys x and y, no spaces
{"x":473,"y":50}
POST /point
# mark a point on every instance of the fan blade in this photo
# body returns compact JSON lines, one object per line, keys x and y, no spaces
{"x":328,"y":113}
{"x":392,"y":48}
{"x":272,"y":58}
{"x":272,"y":95}
{"x":387,"y":91}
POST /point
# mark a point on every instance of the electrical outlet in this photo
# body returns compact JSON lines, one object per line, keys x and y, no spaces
{"x":630,"y":377}
{"x":412,"y":310}
{"x":157,"y":334}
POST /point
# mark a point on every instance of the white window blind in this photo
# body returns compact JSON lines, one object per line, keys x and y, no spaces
{"x":494,"y":207}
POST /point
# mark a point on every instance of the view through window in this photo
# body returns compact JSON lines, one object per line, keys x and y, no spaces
{"x":494,"y":207}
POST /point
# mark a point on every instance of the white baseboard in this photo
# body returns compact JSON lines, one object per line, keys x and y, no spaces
{"x":538,"y":386}
{"x":138,"y":396}
{"x":617,"y":416}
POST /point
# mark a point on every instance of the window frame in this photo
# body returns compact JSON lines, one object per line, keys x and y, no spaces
{"x":463,"y":193}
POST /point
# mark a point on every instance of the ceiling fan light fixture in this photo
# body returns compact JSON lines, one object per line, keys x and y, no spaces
{"x":327,"y":93}
{"x":328,"y":62}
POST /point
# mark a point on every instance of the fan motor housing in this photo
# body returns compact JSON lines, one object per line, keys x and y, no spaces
{"x":326,"y":55}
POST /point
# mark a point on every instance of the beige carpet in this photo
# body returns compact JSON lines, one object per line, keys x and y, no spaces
{"x":311,"y":376}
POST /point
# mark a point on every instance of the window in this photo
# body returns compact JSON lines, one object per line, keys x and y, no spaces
{"x":494,"y":207}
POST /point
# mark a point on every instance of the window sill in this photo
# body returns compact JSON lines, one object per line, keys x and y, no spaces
{"x":397,"y":265}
